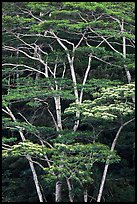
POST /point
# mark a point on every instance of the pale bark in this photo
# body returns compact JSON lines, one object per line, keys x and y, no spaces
{"x":58,"y":112}
{"x":35,"y":178}
{"x":78,"y":99}
{"x":23,"y":52}
{"x":58,"y":190}
{"x":124,"y":53}
{"x":107,"y":161}
{"x":85,"y":195}
{"x":71,"y":197}
{"x":85,"y":77}
{"x":109,"y":44}
{"x":73,"y":75}
{"x":28,"y":157}
{"x":124,"y":56}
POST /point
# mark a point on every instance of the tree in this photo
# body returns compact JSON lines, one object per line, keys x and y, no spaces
{"x":50,"y":50}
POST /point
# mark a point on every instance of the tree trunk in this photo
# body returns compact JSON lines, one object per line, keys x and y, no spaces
{"x":114,"y":142}
{"x":58,"y":192}
{"x":85,"y":77}
{"x":85,"y":195}
{"x":28,"y":157}
{"x":124,"y":53}
{"x":58,"y":112}
{"x":73,"y":75}
{"x":71,"y":197}
{"x":35,"y":178}
{"x":107,"y":162}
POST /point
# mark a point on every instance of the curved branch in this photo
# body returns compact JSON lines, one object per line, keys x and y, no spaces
{"x":107,"y":161}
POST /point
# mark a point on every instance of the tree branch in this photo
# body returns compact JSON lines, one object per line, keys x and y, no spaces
{"x":107,"y":161}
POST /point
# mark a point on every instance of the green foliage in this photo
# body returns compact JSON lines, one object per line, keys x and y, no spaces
{"x":76,"y":161}
{"x":36,"y":71}
{"x":109,"y":103}
{"x":8,"y":140}
{"x":27,"y":147}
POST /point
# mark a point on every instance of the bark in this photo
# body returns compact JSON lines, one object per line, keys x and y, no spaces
{"x":71,"y":197}
{"x":124,"y":53}
{"x":85,"y":77}
{"x":35,"y":178}
{"x":107,"y":162}
{"x":85,"y":195}
{"x":124,"y":49}
{"x":58,"y":112}
{"x":58,"y":190}
{"x":73,"y":75}
{"x":28,"y":157}
{"x":58,"y":194}
{"x":79,"y":98}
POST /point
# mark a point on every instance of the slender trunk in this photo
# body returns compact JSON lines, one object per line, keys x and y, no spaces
{"x":76,"y":122}
{"x":124,"y":56}
{"x":107,"y":162}
{"x":85,"y":77}
{"x":46,"y":69}
{"x":73,"y":75}
{"x":58,"y":112}
{"x":85,"y":195}
{"x":117,"y":135}
{"x":35,"y":178}
{"x":71,"y":197}
{"x":28,"y":157}
{"x":58,"y":190}
{"x":102,"y":183}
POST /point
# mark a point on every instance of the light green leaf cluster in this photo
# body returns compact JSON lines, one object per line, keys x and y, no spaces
{"x":25,"y":148}
{"x":109,"y":103}
{"x":76,"y":161}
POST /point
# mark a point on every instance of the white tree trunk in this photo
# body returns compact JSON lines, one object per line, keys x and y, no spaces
{"x":73,"y":75}
{"x":71,"y":197}
{"x":107,"y":162}
{"x":117,"y":135}
{"x":85,"y":77}
{"x":85,"y":195}
{"x":124,"y":53}
{"x":78,"y":99}
{"x":35,"y":178}
{"x":57,"y":100}
{"x":28,"y":157}
{"x":58,"y":190}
